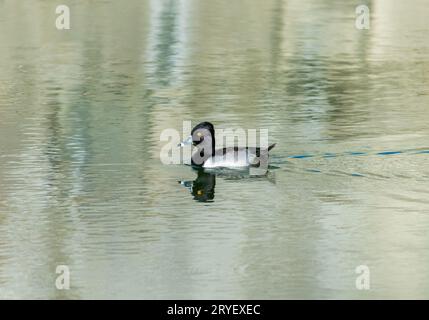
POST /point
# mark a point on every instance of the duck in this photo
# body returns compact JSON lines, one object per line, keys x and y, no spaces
{"x":207,"y":156}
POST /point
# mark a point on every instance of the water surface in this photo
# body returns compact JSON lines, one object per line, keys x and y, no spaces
{"x":81,"y":183}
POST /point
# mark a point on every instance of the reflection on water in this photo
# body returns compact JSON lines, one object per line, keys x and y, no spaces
{"x":81,"y":183}
{"x":203,"y":187}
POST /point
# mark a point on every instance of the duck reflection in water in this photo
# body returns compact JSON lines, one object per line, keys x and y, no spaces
{"x":203,"y":187}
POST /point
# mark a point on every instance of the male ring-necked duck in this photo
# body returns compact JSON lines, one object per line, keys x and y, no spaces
{"x":206,"y":156}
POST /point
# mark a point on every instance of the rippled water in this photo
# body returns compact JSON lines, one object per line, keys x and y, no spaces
{"x":81,"y":183}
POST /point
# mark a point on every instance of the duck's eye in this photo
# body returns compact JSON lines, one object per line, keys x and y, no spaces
{"x":200,"y":192}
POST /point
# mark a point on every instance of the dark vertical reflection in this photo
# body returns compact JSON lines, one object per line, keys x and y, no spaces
{"x":167,"y":40}
{"x":164,"y":41}
{"x":276,"y":39}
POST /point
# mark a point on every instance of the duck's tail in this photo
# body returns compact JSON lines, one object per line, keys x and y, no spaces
{"x":271,"y":146}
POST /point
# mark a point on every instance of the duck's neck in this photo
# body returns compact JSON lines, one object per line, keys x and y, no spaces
{"x":213,"y":148}
{"x":204,"y":155}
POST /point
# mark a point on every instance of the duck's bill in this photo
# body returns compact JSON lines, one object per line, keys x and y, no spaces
{"x":186,"y":142}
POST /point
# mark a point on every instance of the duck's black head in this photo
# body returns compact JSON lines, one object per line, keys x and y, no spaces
{"x":203,"y":131}
{"x":203,"y":137}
